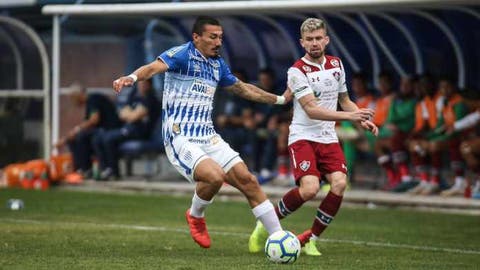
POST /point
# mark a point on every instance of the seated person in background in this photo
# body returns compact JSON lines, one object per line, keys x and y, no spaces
{"x":230,"y":113}
{"x":273,"y":141}
{"x":470,"y":147}
{"x":138,"y":118}
{"x":262,"y":128}
{"x":391,"y":144}
{"x":382,"y":107}
{"x":427,"y":112}
{"x":353,"y":137}
{"x":100,"y":114}
{"x":454,"y":109}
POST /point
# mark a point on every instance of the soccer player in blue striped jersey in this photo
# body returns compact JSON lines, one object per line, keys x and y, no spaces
{"x":193,"y":72}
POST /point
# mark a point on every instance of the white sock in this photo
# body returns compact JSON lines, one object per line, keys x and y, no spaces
{"x":266,"y":214}
{"x":198,"y":206}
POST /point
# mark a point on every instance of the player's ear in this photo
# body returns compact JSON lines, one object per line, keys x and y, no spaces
{"x":301,"y":43}
{"x":327,"y":40}
{"x":195,"y":36}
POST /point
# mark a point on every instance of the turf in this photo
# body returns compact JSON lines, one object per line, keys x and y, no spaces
{"x":78,"y":230}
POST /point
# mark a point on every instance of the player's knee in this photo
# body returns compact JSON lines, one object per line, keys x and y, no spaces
{"x":219,"y":179}
{"x":214,"y":177}
{"x":249,"y":183}
{"x":338,"y":186}
{"x":309,"y":191}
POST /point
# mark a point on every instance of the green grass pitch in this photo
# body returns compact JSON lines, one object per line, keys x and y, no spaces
{"x":79,"y":230}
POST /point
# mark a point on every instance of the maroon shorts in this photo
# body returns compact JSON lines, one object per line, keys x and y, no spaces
{"x":313,"y":158}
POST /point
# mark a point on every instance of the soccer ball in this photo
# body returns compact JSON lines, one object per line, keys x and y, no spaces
{"x":282,"y":247}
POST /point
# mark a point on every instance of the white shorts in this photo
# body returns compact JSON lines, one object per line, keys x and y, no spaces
{"x":186,"y":152}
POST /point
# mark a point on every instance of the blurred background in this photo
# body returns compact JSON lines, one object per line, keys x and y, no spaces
{"x":433,"y":39}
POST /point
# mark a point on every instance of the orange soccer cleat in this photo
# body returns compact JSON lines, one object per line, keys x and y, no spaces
{"x":304,"y":237}
{"x":198,"y":230}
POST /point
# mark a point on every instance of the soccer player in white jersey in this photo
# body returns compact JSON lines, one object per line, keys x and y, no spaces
{"x":318,"y":83}
{"x":193,"y":71}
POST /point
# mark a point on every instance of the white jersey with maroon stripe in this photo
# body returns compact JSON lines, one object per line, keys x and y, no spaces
{"x":324,"y":81}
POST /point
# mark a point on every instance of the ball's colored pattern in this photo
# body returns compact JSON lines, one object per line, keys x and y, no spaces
{"x":282,"y":247}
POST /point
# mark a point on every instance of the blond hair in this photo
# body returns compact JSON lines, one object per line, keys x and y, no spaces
{"x":312,"y":24}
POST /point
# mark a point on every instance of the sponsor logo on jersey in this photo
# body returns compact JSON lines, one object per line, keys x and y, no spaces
{"x":196,"y":68}
{"x":173,"y":51}
{"x":202,"y":88}
{"x":307,"y":68}
{"x":195,"y":57}
{"x":215,"y":139}
{"x":336,"y":74}
{"x":334,"y":62}
{"x":300,"y":89}
{"x":305,"y":165}
{"x":327,"y":82}
{"x":199,"y":141}
{"x":214,"y":63}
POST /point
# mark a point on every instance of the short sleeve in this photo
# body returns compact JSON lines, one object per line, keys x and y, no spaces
{"x":226,"y":76}
{"x":342,"y":86}
{"x":173,"y":57}
{"x":298,"y":83}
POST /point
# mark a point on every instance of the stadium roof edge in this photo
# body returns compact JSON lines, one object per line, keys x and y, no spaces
{"x":242,"y":7}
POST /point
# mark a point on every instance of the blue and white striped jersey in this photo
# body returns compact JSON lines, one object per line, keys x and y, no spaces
{"x":189,"y":88}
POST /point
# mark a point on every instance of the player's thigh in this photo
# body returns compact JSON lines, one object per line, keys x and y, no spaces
{"x":208,"y":171}
{"x":184,"y":156}
{"x":303,"y":159}
{"x":330,"y":158}
{"x":222,"y":153}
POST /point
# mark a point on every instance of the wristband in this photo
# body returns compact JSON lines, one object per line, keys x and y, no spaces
{"x":280,"y":100}
{"x":133,"y":76}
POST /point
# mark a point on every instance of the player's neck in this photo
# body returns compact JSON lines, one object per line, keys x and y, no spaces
{"x":318,"y":60}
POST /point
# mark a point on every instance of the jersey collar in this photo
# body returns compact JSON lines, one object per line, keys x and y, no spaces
{"x":304,"y":59}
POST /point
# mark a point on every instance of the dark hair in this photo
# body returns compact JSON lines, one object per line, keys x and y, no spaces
{"x":201,"y":21}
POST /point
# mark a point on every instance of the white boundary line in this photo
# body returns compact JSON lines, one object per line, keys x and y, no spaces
{"x":239,"y":234}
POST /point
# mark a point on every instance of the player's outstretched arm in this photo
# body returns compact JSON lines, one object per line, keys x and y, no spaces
{"x":253,"y":93}
{"x":142,"y":73}
{"x":309,"y":104}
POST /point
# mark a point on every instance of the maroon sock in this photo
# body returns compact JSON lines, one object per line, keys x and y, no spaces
{"x":289,"y":203}
{"x":326,"y":212}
